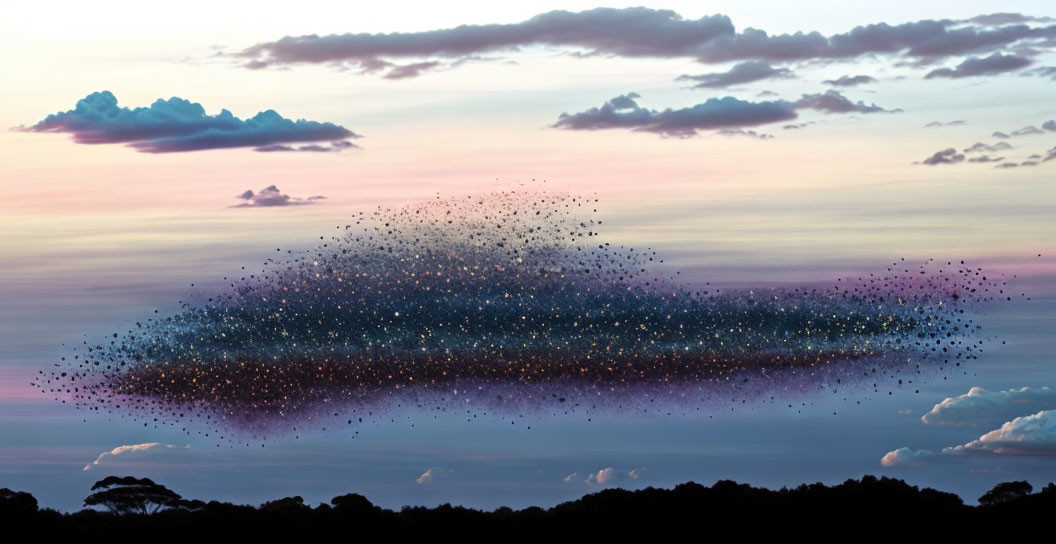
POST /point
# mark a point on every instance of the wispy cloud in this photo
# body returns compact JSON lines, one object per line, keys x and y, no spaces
{"x":271,"y":196}
{"x":982,"y":66}
{"x":132,"y":449}
{"x":850,"y":81}
{"x":745,"y":72}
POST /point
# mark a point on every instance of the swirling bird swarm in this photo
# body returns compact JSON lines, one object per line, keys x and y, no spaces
{"x":506,"y":302}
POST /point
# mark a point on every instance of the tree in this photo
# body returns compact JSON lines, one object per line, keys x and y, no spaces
{"x":131,"y":495}
{"x":16,"y":503}
{"x":1005,"y":492}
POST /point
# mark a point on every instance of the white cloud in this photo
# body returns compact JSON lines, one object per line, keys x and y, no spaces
{"x":905,"y":457}
{"x":132,"y":449}
{"x":982,"y":407}
{"x":426,"y":476}
{"x":1028,"y":435}
{"x":602,"y":477}
{"x":570,"y":477}
{"x":635,"y":473}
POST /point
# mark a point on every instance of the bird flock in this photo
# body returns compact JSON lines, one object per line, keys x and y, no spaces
{"x":512,"y":304}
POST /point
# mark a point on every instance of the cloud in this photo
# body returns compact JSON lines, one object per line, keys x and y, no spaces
{"x":981,"y":407}
{"x":850,"y":81}
{"x":982,"y":66}
{"x":570,"y":477}
{"x":604,"y":476}
{"x":270,"y":197}
{"x":946,"y":156}
{"x":644,"y":32}
{"x":980,"y":146}
{"x":745,"y":72}
{"x":430,"y":475}
{"x":1033,"y":434}
{"x":411,"y":70}
{"x":134,"y":449}
{"x":949,"y":124}
{"x":714,"y":114}
{"x":607,"y":476}
{"x":998,"y":134}
{"x":905,"y":457}
{"x":1049,"y":155}
{"x":1042,"y":71}
{"x":1049,"y":125}
{"x":1000,"y":19}
{"x":986,"y":158}
{"x":332,"y":147}
{"x":832,"y":101}
{"x":743,"y":132}
{"x":1027,"y":131}
{"x":1007,"y":165}
{"x":177,"y":125}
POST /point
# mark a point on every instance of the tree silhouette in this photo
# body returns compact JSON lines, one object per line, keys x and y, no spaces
{"x":1005,"y":492}
{"x":131,"y":495}
{"x":16,"y":503}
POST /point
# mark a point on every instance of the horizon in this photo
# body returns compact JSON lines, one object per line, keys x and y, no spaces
{"x":772,"y":156}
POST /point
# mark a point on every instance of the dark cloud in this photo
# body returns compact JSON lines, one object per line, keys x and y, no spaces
{"x":1049,"y":125}
{"x":716,"y":113}
{"x":764,"y":94}
{"x":1007,"y":165}
{"x":1049,"y":155}
{"x":980,"y":146}
{"x":743,"y":132}
{"x":644,"y":32}
{"x":982,"y":66}
{"x":796,"y":126}
{"x":270,"y":197}
{"x":999,"y":19}
{"x":946,"y":156}
{"x":941,"y":124}
{"x":1027,"y":131}
{"x":1001,"y":135}
{"x":1042,"y":71}
{"x":986,"y":158}
{"x":176,"y":125}
{"x":411,"y":70}
{"x":850,"y":81}
{"x":745,"y":72}
{"x":832,"y":101}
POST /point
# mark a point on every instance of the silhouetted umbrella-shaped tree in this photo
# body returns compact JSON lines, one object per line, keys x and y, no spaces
{"x":131,"y":495}
{"x":1005,"y":492}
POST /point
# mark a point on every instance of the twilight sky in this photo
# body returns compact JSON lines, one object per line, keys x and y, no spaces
{"x":755,"y":143}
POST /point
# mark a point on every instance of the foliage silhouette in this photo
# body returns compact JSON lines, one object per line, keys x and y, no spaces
{"x":128,"y":494}
{"x":1005,"y":492}
{"x":872,"y":506}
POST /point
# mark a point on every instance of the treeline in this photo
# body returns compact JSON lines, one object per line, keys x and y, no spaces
{"x":867,"y":507}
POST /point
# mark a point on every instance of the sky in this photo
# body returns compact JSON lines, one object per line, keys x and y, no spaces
{"x":841,"y":140}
